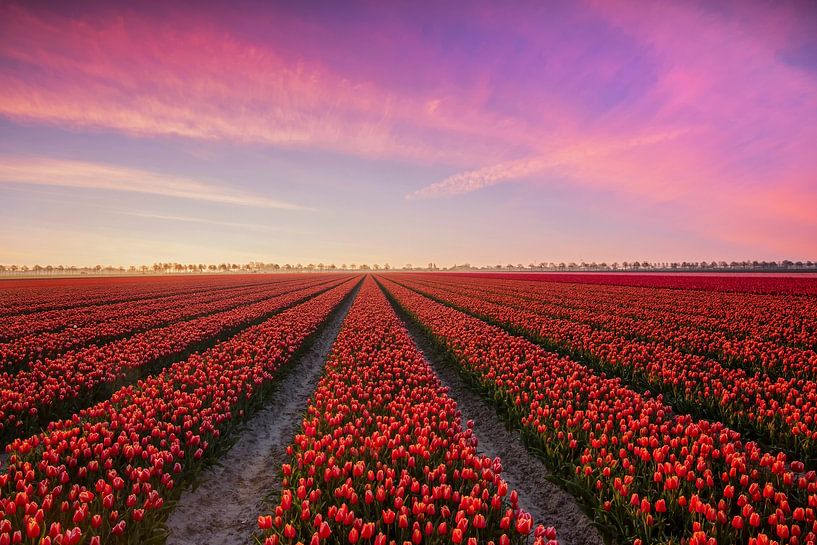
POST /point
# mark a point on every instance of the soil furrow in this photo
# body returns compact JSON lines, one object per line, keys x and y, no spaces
{"x":225,"y":505}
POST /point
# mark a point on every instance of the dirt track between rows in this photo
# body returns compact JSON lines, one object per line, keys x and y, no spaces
{"x":224,"y":508}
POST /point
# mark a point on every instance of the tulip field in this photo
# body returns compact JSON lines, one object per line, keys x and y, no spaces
{"x":659,"y":409}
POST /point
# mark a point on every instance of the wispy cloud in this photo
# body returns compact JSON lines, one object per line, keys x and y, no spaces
{"x":86,"y":175}
{"x":575,"y":155}
{"x":206,"y":221}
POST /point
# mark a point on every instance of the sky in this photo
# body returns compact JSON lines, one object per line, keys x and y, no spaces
{"x":407,"y":132}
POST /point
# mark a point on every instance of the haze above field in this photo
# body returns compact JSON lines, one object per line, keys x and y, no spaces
{"x":407,"y":133}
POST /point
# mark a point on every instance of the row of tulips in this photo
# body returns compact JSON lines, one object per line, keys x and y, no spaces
{"x":651,"y":475}
{"x":19,"y":325}
{"x":109,"y":474}
{"x":752,"y":353}
{"x":783,"y":320}
{"x":382,"y":456}
{"x":52,"y":389}
{"x":786,"y":319}
{"x":783,"y":284}
{"x":42,"y":295}
{"x":110,"y":324}
{"x":778,"y":411}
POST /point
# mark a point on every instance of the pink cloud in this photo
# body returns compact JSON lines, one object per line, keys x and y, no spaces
{"x":188,"y":78}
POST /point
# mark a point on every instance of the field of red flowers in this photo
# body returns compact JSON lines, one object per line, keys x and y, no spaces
{"x":662,"y":409}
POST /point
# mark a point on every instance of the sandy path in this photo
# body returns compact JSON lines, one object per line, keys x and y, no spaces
{"x":548,"y":503}
{"x":225,"y":506}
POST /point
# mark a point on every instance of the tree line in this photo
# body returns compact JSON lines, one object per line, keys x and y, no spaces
{"x":174,"y":267}
{"x":638,"y":266}
{"x":262,"y":267}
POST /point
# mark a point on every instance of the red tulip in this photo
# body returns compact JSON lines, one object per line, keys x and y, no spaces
{"x":388,"y":516}
{"x":32,"y":528}
{"x":523,"y":525}
{"x":324,"y":531}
